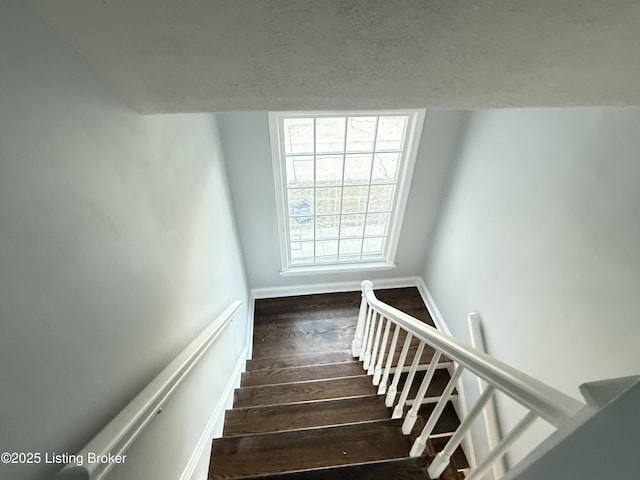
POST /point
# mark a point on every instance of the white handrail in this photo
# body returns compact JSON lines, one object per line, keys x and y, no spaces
{"x":116,"y":437}
{"x":545,"y":401}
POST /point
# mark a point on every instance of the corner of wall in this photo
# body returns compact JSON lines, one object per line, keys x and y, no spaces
{"x":459,"y":403}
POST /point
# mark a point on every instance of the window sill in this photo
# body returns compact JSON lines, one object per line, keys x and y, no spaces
{"x":342,"y":268}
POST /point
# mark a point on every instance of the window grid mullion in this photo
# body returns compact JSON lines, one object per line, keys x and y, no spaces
{"x":373,"y":161}
{"x":344,"y":149}
{"x":315,"y":196}
{"x":349,"y":185}
{"x":333,"y":154}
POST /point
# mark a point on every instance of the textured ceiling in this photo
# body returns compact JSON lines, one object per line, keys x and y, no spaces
{"x":216,"y":55}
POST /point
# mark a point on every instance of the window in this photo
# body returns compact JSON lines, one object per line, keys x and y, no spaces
{"x":342,"y":182}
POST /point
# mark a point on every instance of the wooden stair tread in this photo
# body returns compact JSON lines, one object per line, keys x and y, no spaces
{"x":303,"y":391}
{"x":404,"y":469}
{"x":458,"y":456}
{"x":356,"y":386}
{"x":438,"y":383}
{"x":303,"y":336}
{"x":298,"y":416}
{"x":244,"y":421}
{"x":301,"y":360}
{"x":300,"y":374}
{"x":270,"y":453}
{"x":267,"y":309}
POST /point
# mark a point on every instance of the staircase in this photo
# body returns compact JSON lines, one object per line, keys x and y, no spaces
{"x":306,"y":409}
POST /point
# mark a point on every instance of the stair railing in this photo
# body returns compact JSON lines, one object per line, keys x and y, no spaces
{"x":375,"y":321}
{"x":120,"y":433}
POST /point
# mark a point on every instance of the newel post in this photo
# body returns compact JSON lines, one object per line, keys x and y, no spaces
{"x":356,"y":345}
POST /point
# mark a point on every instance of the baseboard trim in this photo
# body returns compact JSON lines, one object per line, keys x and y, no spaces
{"x":250,"y":321}
{"x":208,"y":433}
{"x":432,"y":308}
{"x":331,"y":287}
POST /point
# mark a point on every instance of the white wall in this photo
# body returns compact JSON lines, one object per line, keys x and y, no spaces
{"x":245,"y":137}
{"x":117,"y":247}
{"x":540,"y":235}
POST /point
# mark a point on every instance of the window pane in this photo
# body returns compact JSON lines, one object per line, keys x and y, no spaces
{"x":330,"y":134}
{"x":360,"y":134}
{"x":390,"y":133}
{"x":385,"y":166}
{"x":298,"y":135}
{"x":376,"y":224}
{"x":327,"y":227}
{"x":372,"y":246}
{"x":357,"y":169}
{"x":301,"y":228}
{"x":327,"y":251}
{"x":301,"y":252}
{"x":329,"y":170}
{"x":381,"y":196}
{"x":355,"y":199}
{"x":352,"y":225}
{"x":300,"y":202}
{"x":350,"y":249}
{"x":299,"y":171}
{"x":328,"y":200}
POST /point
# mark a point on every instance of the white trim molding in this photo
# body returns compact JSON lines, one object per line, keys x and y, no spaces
{"x":330,"y":287}
{"x":216,"y":416}
{"x":432,"y":308}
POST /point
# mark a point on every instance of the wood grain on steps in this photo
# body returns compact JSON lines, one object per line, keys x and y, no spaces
{"x":274,"y":376}
{"x":303,"y":336}
{"x":303,"y":391}
{"x":270,"y":453}
{"x":459,"y":458}
{"x":266,"y":308}
{"x":338,"y":356}
{"x":404,"y":469}
{"x":315,"y":323}
{"x":301,"y":360}
{"x":405,"y":299}
{"x":450,"y":472}
{"x":246,"y":421}
{"x":356,"y":386}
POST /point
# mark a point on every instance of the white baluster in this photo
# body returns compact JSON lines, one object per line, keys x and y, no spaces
{"x":376,"y":344}
{"x":387,"y":369}
{"x":412,"y":415}
{"x":420,"y":443}
{"x":365,"y":336}
{"x":444,"y":457}
{"x":367,"y":353}
{"x":503,"y":446}
{"x":383,"y":347}
{"x":399,"y":410}
{"x":356,"y":345}
{"x":393,"y":389}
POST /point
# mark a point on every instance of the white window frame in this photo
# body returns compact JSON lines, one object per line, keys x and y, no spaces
{"x":407,"y":163}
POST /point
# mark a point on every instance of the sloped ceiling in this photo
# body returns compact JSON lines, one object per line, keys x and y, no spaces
{"x":217,"y":55}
